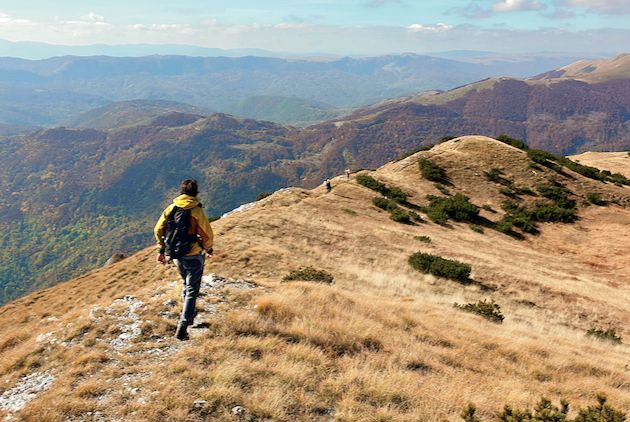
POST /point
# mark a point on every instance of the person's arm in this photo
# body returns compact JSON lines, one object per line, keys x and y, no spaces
{"x":204,"y":231}
{"x":159,"y":231}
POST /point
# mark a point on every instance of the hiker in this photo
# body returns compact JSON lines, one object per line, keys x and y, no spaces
{"x":328,"y":185}
{"x":183,"y":233}
{"x":347,"y":174}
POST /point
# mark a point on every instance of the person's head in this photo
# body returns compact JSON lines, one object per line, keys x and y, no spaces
{"x":189,"y":187}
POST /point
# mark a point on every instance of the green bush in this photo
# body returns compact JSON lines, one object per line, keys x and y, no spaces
{"x":391,"y":192}
{"x":602,"y":412}
{"x":443,"y":189}
{"x":400,"y":216}
{"x":263,"y":195}
{"x":440,"y":267}
{"x":509,"y":192}
{"x":309,"y":274}
{"x":432,"y":171}
{"x":396,"y":194}
{"x":396,"y":213}
{"x":488,"y":208}
{"x":494,"y":175}
{"x":415,"y":216}
{"x":476,"y":228}
{"x":370,"y":183}
{"x":425,"y":239}
{"x":546,"y":212}
{"x":350,"y":211}
{"x":541,"y":157}
{"x":609,"y":335}
{"x":595,"y":199}
{"x":489,"y":310}
{"x":383,"y":203}
{"x":504,"y":226}
{"x":458,"y":207}
{"x":514,"y":142}
{"x":546,"y":411}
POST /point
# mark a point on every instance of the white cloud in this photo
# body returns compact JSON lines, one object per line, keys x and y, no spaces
{"x":173,"y":28}
{"x":602,"y":6}
{"x":517,"y":5}
{"x":438,"y":27}
{"x":5,"y":20}
{"x":93,"y":17}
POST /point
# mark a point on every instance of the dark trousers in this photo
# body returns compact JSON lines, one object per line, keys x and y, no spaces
{"x":191,"y":270}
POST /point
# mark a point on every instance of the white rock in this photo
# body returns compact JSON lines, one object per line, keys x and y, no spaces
{"x":238,"y":410}
{"x":27,"y":388}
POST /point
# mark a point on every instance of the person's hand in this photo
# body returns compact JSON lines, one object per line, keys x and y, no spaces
{"x":161,"y":258}
{"x":210,"y":252}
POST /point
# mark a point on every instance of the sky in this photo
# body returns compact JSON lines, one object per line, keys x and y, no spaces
{"x":328,"y":26}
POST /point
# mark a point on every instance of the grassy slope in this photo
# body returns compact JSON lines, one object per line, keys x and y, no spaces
{"x":383,"y":343}
{"x":611,"y":161}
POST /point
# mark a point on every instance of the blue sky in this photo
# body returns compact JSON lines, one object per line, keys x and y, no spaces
{"x":340,"y":26}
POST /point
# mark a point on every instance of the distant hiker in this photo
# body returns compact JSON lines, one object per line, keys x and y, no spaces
{"x":183,"y":232}
{"x":328,"y":185}
{"x":347,"y":174}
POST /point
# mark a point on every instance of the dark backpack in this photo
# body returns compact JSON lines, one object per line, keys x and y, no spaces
{"x":177,"y":241}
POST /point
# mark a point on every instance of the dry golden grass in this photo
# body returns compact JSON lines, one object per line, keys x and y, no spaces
{"x":383,"y":343}
{"x":616,"y":162}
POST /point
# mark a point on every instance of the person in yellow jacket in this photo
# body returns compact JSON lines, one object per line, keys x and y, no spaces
{"x":190,"y":266}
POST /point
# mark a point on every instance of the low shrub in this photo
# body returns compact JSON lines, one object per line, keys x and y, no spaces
{"x":432,"y":171}
{"x":476,"y":228}
{"x":443,"y":189}
{"x":595,"y":199}
{"x":400,"y":216}
{"x":457,"y":207}
{"x":488,"y":208}
{"x":415,"y":216}
{"x":350,"y":211}
{"x":309,"y":274}
{"x":370,"y":183}
{"x":392,"y":192}
{"x":608,"y":335}
{"x":383,"y":203}
{"x":494,"y":175}
{"x":540,"y":156}
{"x":425,"y":239}
{"x":557,"y":192}
{"x":504,"y":226}
{"x":546,"y":411}
{"x":489,"y":310}
{"x":440,"y":267}
{"x":513,"y":142}
{"x":396,"y":194}
{"x":509,"y":192}
{"x":550,"y":212}
{"x":396,"y":213}
{"x":263,"y":195}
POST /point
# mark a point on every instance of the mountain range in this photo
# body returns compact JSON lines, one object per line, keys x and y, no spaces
{"x":54,"y":91}
{"x":454,"y":281}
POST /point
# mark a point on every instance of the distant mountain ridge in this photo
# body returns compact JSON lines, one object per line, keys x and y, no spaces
{"x":133,"y":113}
{"x":53,"y":91}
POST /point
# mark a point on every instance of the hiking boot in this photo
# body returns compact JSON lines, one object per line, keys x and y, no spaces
{"x":181,"y":333}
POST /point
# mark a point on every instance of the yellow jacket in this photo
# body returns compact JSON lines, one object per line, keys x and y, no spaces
{"x":199,"y":224}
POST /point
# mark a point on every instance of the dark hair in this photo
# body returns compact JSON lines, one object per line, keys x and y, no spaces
{"x":189,"y":187}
